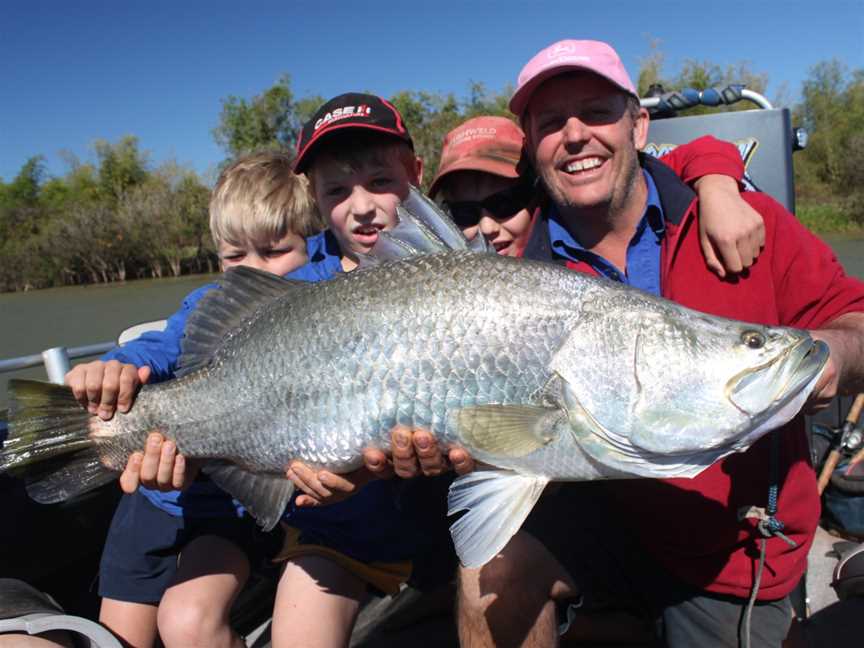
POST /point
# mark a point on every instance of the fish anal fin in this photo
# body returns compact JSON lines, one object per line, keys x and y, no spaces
{"x":507,"y":430}
{"x":496,"y":503}
{"x":241,"y":292}
{"x":264,"y":495}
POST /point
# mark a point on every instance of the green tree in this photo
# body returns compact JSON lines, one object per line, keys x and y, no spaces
{"x":19,"y":197}
{"x":271,"y":120}
{"x":165,"y":218}
{"x":651,"y":68}
{"x":121,"y":166}
{"x":699,"y":75}
{"x":429,"y":117}
{"x":24,"y":190}
{"x":830,"y":171}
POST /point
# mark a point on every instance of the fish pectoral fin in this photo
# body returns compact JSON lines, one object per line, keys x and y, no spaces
{"x":507,"y":430}
{"x":496,"y":503}
{"x":264,"y":495}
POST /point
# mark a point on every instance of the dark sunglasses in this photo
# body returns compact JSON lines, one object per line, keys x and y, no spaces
{"x":504,"y":204}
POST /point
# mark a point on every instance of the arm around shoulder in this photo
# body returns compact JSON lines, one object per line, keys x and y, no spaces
{"x":705,"y":156}
{"x":731,"y":234}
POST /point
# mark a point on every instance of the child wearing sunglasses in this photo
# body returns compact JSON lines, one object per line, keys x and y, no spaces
{"x":479,"y":184}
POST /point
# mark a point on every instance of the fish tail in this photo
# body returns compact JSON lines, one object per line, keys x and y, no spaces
{"x":51,"y":442}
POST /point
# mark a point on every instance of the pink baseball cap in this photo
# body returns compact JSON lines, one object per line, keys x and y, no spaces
{"x":488,"y":144}
{"x":565,"y":56}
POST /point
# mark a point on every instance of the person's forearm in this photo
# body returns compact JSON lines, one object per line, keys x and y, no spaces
{"x":705,"y":156}
{"x":845,"y":336}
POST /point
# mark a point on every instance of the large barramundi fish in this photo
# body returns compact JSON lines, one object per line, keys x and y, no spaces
{"x":542,"y":373}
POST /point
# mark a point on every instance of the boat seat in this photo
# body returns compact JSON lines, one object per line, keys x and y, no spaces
{"x":848,"y":580}
{"x":24,"y":609}
{"x":134,"y":332}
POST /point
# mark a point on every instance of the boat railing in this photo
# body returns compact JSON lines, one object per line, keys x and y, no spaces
{"x":56,"y":360}
{"x":711,"y":97}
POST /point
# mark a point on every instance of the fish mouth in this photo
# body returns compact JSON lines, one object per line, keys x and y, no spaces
{"x":780,"y":380}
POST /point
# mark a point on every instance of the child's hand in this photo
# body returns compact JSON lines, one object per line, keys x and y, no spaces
{"x":322,"y":487}
{"x":103,"y":387}
{"x":159,"y":467}
{"x":416,"y":451}
{"x":731,"y":232}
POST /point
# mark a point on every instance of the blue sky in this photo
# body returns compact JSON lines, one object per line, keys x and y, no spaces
{"x":73,"y":72}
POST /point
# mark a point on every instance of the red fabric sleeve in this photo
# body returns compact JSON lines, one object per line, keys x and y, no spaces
{"x":811,"y":287}
{"x":705,"y":156}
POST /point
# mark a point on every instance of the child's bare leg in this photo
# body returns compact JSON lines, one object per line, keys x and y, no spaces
{"x":134,"y":624}
{"x":195,"y":609}
{"x":55,"y":639}
{"x":317,"y":603}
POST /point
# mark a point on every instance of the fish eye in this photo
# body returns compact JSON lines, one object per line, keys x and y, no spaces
{"x":753,"y":339}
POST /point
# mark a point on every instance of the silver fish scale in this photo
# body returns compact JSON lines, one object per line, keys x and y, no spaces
{"x":330,"y":368}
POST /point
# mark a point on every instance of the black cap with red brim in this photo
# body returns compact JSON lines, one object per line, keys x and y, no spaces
{"x":353,"y":110}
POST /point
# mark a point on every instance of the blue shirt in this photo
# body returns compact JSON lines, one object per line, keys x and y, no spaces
{"x":643,"y":251}
{"x":325,"y":259}
{"x":160,"y":350}
{"x":370,"y":526}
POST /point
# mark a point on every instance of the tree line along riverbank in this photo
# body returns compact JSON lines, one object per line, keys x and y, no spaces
{"x":120,"y":216}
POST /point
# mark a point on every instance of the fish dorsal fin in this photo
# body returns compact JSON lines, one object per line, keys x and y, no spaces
{"x":424,"y":228}
{"x":496,"y":503}
{"x":240,"y":293}
{"x":432,"y":218}
{"x":480,"y":244}
{"x":507,"y":430}
{"x":264,"y":496}
{"x":388,"y":248}
{"x":430,"y":215}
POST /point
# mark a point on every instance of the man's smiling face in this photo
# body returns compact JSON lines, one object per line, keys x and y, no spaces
{"x":583,"y":138}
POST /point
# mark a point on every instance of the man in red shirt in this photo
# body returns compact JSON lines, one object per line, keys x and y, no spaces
{"x":680,"y":553}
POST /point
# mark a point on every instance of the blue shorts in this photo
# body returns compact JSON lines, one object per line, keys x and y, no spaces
{"x":139,"y":559}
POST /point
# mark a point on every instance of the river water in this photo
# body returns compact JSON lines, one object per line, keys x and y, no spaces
{"x":79,"y":315}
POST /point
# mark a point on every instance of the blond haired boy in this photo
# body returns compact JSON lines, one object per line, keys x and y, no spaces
{"x":260,"y":215}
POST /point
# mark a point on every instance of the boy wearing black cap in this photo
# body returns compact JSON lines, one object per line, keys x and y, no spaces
{"x":360,"y":159}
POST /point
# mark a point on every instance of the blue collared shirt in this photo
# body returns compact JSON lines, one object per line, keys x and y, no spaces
{"x":325,"y":259}
{"x":160,"y":350}
{"x":643,"y":251}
